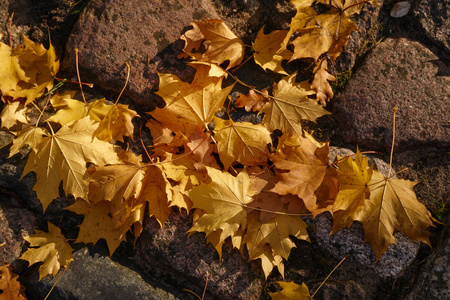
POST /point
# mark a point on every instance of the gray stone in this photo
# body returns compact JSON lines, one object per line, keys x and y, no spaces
{"x":434,"y":278}
{"x":402,"y":73}
{"x":168,"y":254}
{"x":95,"y":277}
{"x":433,"y":17}
{"x":351,"y":241}
{"x":143,"y":33}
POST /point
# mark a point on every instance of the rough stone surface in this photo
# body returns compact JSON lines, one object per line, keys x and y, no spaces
{"x":433,"y":17}
{"x":400,"y":73}
{"x":110,"y":33}
{"x":168,"y":254}
{"x":94,"y":277}
{"x":351,"y":241}
{"x":433,"y":281}
{"x":39,"y":20}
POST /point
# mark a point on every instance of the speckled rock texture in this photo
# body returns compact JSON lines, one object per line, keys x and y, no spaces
{"x":434,"y":19}
{"x":143,"y":34}
{"x":95,"y":277}
{"x":398,"y":73}
{"x":435,"y":274}
{"x":168,"y":254}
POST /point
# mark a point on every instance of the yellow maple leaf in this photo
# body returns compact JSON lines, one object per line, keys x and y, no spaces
{"x":290,"y":105}
{"x":302,"y":170}
{"x":354,"y":177}
{"x":52,"y":249}
{"x":221,"y":43}
{"x":62,"y":156}
{"x":116,"y":124}
{"x":10,"y":287}
{"x":243,"y":142}
{"x":269,"y":51}
{"x":189,"y":105}
{"x":13,"y":114}
{"x":69,"y":109}
{"x":275,"y":233}
{"x":98,"y":223}
{"x":291,"y":291}
{"x":129,"y":186}
{"x":393,"y":206}
{"x":31,"y":136}
{"x":320,"y":83}
{"x":382,"y":205}
{"x":37,"y":65}
{"x":323,"y":32}
{"x":224,"y":201}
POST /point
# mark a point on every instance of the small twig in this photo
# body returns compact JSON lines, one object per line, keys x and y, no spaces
{"x":323,"y":282}
{"x":77,"y":82}
{"x":393,"y":139}
{"x":237,"y":68}
{"x":64,"y":269}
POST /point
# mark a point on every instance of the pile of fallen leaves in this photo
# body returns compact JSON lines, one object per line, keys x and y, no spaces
{"x":237,"y":179}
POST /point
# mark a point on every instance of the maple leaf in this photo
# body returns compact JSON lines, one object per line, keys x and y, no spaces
{"x":189,"y":105}
{"x":69,"y":109}
{"x":31,"y":136}
{"x":304,"y":168}
{"x":62,"y":156}
{"x":220,"y":42}
{"x":29,"y":70}
{"x":52,"y":249}
{"x":200,"y":143}
{"x":323,"y":32}
{"x":10,"y":287}
{"x":129,"y":186}
{"x":182,"y":172}
{"x":98,"y":223}
{"x":354,"y":178}
{"x":382,"y":205}
{"x":393,"y":206}
{"x":116,"y":124}
{"x":269,"y":52}
{"x":290,"y":291}
{"x":276,"y":233}
{"x":289,"y":105}
{"x":252,"y":100}
{"x":320,"y":83}
{"x":224,"y":201}
{"x":13,"y":114}
{"x":243,"y":142}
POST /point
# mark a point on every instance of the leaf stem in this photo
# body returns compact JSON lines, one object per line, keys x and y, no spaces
{"x":78,"y":75}
{"x":393,"y":139}
{"x":362,"y":2}
{"x":126,"y":82}
{"x":10,"y":29}
{"x":76,"y":82}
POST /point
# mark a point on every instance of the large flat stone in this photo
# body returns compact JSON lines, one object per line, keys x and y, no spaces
{"x":402,"y":73}
{"x":110,"y":33}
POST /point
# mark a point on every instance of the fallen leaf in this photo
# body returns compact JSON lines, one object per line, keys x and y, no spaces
{"x":116,"y":124}
{"x":13,"y":114}
{"x":62,"y":156}
{"x":51,"y":248}
{"x":220,"y":42}
{"x":291,"y":290}
{"x":289,"y":105}
{"x":189,"y":105}
{"x":31,"y":136}
{"x":320,"y":83}
{"x":243,"y":142}
{"x":98,"y":223}
{"x":252,"y":101}
{"x":269,"y":52}
{"x":10,"y":287}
